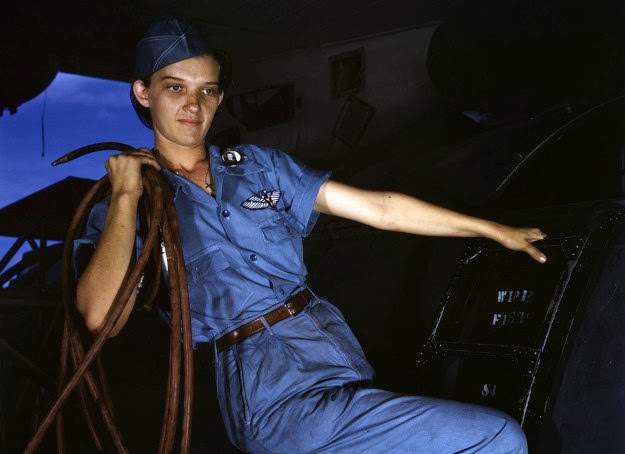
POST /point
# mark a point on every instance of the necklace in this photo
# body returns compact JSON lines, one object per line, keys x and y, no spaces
{"x":208,"y":186}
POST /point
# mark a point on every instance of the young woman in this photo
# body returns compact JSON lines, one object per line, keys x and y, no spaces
{"x":291,"y":377}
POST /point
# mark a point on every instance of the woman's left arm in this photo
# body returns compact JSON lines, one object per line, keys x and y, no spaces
{"x":402,"y":213}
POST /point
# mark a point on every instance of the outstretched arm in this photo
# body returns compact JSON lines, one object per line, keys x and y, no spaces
{"x":402,"y":213}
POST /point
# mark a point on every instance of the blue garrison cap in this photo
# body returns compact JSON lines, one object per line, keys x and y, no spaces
{"x":166,"y":41}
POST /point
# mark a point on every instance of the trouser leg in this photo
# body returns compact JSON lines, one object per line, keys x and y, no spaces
{"x":379,"y":421}
{"x":362,"y":420}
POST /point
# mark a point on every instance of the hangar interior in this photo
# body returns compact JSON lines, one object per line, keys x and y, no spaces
{"x":511,"y":110}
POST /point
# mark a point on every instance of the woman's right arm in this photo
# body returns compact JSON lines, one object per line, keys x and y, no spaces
{"x":107,"y":268}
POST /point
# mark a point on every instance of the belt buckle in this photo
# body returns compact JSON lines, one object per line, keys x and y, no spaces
{"x":290,"y":308}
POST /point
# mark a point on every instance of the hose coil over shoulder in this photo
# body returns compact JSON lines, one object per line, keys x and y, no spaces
{"x":80,"y":366}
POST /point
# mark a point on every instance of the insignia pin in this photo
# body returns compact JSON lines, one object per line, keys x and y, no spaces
{"x":231,"y":156}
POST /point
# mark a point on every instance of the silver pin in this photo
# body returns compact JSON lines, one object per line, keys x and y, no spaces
{"x":232,"y":156}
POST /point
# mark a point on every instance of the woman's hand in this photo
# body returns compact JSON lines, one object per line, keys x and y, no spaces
{"x":521,"y":239}
{"x":124,"y":171}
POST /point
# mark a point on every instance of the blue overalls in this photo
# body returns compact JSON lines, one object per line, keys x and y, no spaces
{"x":303,"y":384}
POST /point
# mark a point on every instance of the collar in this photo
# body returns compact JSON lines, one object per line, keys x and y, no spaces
{"x":219,"y":171}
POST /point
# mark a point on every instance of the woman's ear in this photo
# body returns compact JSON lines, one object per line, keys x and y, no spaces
{"x":141,"y":93}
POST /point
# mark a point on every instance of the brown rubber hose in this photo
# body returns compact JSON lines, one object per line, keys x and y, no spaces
{"x":158,"y":219}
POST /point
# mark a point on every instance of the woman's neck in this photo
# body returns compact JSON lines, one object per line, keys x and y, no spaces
{"x":180,"y":157}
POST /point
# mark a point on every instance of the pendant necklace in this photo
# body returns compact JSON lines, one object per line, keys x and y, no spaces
{"x":208,"y":186}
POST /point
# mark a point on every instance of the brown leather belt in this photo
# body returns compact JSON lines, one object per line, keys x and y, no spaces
{"x":292,"y":306}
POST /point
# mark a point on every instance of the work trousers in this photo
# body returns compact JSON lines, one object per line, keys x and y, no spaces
{"x":303,"y":385}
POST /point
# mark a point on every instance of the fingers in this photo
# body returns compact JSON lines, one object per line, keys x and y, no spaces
{"x":124,"y":170}
{"x":131,"y":161}
{"x":145,"y":156}
{"x":533,"y":235}
{"x":536,"y":254}
{"x":521,"y":239}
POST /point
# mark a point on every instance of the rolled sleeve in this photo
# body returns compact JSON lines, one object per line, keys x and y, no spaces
{"x":303,"y":184}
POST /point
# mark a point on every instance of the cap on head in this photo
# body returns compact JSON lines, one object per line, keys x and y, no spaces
{"x":166,"y":41}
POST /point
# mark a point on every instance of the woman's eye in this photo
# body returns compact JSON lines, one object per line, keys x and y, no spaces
{"x":212,"y":92}
{"x":174,"y":88}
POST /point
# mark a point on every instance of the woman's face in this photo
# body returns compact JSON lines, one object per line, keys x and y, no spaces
{"x":183,"y":98}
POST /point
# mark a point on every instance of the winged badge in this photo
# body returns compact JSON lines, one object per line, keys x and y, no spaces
{"x":263,"y":199}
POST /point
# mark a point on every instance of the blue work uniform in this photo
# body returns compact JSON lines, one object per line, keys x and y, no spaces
{"x":303,"y":384}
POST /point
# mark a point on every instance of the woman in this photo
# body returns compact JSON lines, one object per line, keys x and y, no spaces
{"x":290,"y":374}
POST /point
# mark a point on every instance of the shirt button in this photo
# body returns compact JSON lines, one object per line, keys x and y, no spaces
{"x":225,"y":213}
{"x":253,"y":257}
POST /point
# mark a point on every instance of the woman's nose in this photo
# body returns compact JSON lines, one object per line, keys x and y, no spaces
{"x":192,"y":102}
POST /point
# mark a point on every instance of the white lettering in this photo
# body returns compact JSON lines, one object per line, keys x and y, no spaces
{"x":514,"y":296}
{"x":513,"y":318}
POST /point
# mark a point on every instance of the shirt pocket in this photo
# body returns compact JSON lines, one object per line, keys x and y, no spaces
{"x":217,"y":287}
{"x":276,"y":232}
{"x":282,"y":243}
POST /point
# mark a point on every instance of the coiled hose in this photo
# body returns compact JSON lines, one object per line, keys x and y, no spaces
{"x":158,"y":224}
